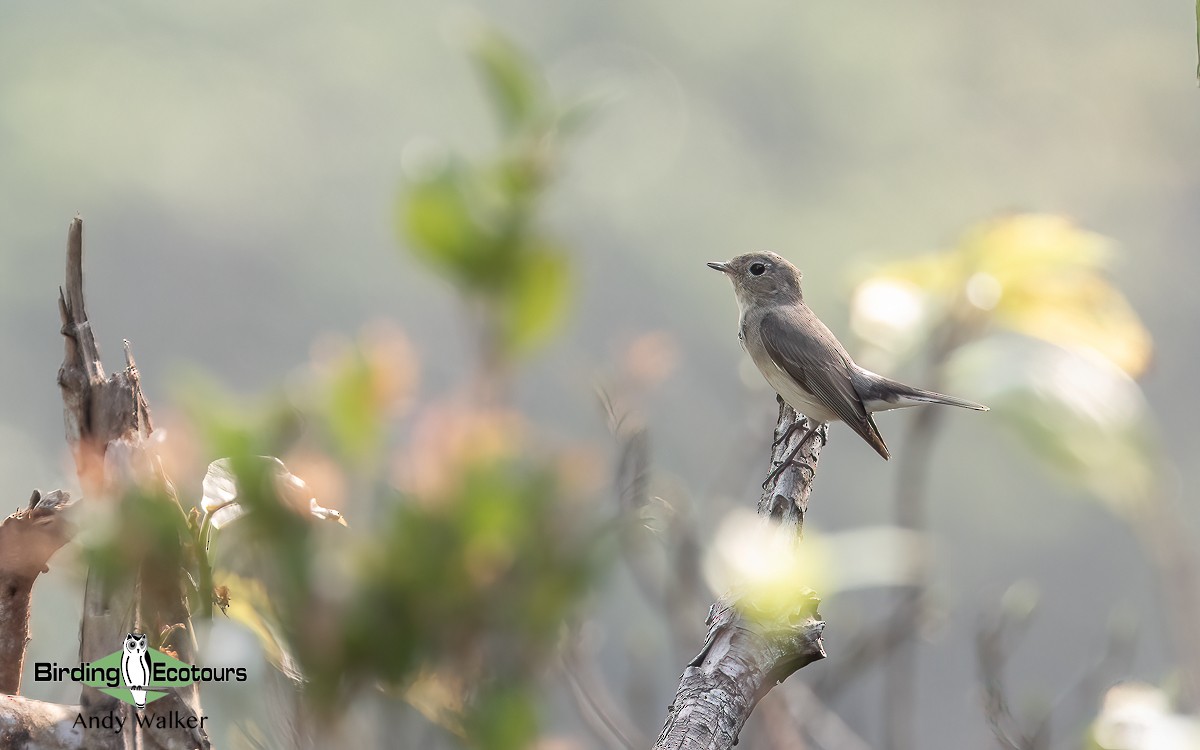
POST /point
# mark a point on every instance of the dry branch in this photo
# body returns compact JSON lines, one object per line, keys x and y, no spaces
{"x":744,"y":657}
{"x":36,"y":725}
{"x":107,"y":423}
{"x":28,"y":538}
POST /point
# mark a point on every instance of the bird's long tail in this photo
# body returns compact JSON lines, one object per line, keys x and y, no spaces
{"x":933,"y":397}
{"x":881,"y":394}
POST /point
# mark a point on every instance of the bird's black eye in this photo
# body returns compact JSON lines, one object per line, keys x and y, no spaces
{"x":757,"y":269}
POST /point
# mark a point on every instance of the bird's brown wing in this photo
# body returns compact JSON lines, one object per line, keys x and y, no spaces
{"x":800,"y":345}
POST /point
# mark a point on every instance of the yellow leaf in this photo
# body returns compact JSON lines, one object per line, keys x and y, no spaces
{"x":1037,"y":274}
{"x":440,"y":697}
{"x":1088,"y":312}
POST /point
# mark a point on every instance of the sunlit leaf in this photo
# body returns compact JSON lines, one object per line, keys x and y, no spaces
{"x":538,"y":297}
{"x":893,"y":312}
{"x":440,"y":697}
{"x":1078,"y":414}
{"x":1137,"y":716}
{"x":221,"y":491}
{"x":1047,"y":278}
{"x":448,"y":226}
{"x":934,"y":274}
{"x":355,"y":417}
{"x":765,"y":566}
{"x":515,"y":86}
{"x":1037,"y":274}
{"x":1023,"y":246}
{"x":1079,"y":312}
{"x":250,"y":605}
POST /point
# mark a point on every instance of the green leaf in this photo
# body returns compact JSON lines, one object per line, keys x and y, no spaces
{"x":537,"y":298}
{"x":517,"y":90}
{"x":442,"y":218}
{"x":503,"y":717}
{"x":578,"y":113}
{"x":355,"y":419}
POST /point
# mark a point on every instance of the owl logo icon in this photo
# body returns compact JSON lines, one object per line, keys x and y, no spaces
{"x":135,"y":667}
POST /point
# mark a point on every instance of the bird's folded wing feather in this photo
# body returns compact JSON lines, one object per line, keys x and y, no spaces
{"x":800,"y":345}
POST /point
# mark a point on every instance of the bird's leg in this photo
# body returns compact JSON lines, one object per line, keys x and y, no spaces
{"x":791,"y":457}
{"x":791,"y":430}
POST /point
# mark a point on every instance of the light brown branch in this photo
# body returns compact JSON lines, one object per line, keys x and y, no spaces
{"x":744,"y":657}
{"x":107,"y":423}
{"x":36,"y":725}
{"x":28,"y":538}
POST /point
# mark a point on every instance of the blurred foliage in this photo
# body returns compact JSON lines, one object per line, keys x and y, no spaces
{"x":1033,"y":274}
{"x":475,"y":221}
{"x":467,"y":546}
{"x":1137,"y":716}
{"x":469,"y":575}
{"x":1024,"y":315}
{"x":1076,"y":412}
{"x":144,"y":525}
{"x":772,"y":571}
{"x":766,"y":565}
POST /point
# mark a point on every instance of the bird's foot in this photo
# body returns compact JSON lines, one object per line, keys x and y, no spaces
{"x":779,"y":469}
{"x":791,"y":430}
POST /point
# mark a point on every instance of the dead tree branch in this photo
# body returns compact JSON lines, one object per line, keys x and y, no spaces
{"x":744,"y":657}
{"x":36,"y":725}
{"x":28,"y":538}
{"x":107,"y":423}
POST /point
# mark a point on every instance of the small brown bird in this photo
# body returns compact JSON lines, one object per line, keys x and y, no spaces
{"x":802,"y":359}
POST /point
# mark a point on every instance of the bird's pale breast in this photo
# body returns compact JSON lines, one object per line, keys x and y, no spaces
{"x":795,"y":396}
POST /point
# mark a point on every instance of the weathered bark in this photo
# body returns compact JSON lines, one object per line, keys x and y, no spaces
{"x":28,"y":538}
{"x":107,"y":422}
{"x":36,"y":725}
{"x":744,"y":656}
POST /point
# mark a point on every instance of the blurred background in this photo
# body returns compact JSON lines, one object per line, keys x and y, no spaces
{"x":268,"y":187}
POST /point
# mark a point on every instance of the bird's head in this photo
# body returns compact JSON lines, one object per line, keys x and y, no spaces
{"x":762,"y":278}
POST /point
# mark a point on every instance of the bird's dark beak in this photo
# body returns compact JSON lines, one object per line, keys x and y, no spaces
{"x":722,"y":267}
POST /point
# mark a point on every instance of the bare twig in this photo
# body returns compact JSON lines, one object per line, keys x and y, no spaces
{"x":779,"y":730}
{"x":1165,"y":535}
{"x":595,"y":702}
{"x":867,"y":647}
{"x":900,"y":675}
{"x":670,"y":585}
{"x":1081,"y":698}
{"x":991,"y":654}
{"x":818,"y":720}
{"x":993,"y":644}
